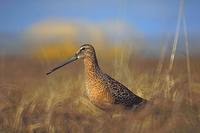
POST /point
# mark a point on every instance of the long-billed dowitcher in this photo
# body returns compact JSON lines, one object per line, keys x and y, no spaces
{"x":102,"y":90}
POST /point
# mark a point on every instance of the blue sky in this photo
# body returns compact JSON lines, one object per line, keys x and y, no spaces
{"x":147,"y":16}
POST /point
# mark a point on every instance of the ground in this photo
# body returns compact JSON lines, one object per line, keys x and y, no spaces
{"x":31,"y":101}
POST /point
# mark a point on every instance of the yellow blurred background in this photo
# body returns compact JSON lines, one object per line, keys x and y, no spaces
{"x":53,"y":40}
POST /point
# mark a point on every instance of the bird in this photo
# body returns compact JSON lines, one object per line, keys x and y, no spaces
{"x":102,"y":90}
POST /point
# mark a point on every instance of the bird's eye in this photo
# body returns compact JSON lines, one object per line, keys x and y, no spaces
{"x":82,"y":48}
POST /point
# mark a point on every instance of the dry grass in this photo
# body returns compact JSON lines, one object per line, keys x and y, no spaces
{"x":31,"y":102}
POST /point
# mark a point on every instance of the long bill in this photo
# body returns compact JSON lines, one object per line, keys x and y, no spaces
{"x":75,"y":57}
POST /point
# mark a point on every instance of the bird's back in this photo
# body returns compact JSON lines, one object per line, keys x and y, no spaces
{"x":121,"y":94}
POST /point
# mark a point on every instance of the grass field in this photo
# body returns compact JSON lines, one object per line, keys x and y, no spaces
{"x":31,"y":102}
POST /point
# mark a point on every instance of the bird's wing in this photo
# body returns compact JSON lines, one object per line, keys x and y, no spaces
{"x":121,"y":94}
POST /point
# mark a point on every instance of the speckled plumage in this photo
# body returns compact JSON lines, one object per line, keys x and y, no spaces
{"x":103,"y":90}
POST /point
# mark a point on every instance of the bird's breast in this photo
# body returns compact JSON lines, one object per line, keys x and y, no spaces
{"x":98,"y":93}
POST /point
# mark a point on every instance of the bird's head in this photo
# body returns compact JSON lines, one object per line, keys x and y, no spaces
{"x":84,"y":51}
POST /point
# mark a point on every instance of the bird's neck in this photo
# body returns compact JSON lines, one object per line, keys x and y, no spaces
{"x":91,"y":66}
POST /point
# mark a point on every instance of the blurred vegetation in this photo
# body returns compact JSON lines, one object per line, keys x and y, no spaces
{"x":31,"y":102}
{"x":65,"y":49}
